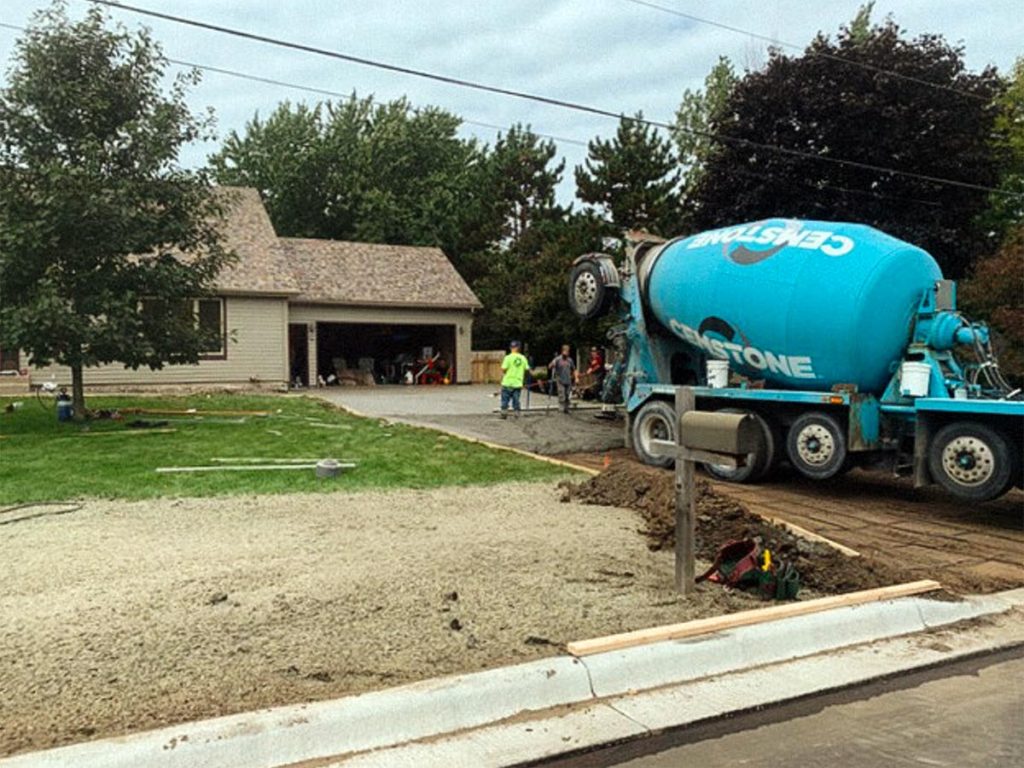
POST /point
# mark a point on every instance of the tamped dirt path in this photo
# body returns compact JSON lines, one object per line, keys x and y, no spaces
{"x":926,"y":532}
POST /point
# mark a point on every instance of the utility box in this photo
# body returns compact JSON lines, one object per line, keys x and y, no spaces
{"x":730,"y":433}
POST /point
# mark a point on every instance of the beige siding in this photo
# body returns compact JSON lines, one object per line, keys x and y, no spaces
{"x":462,"y":320}
{"x":257,"y":351}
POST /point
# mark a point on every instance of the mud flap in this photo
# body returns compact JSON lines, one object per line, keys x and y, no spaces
{"x":923,"y":432}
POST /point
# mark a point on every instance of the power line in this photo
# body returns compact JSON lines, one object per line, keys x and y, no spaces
{"x":815,"y":54}
{"x":561,"y":103}
{"x":340,"y":95}
{"x":327,"y":92}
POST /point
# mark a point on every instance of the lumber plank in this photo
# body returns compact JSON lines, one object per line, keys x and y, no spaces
{"x":190,"y":412}
{"x":244,"y":468}
{"x":746,"y":618}
{"x":123,"y":432}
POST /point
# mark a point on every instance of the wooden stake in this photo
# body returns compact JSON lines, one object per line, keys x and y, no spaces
{"x":745,"y":618}
{"x":686,"y":504}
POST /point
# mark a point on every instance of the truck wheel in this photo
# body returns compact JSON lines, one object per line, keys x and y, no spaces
{"x":656,"y":420}
{"x":971,"y":460}
{"x":816,"y":445}
{"x":589,"y":297}
{"x":758,"y":462}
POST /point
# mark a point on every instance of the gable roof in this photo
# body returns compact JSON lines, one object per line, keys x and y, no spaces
{"x":261,"y":266}
{"x":365,"y":274}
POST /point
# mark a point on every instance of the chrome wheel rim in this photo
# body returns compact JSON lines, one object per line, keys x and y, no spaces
{"x":968,"y":460}
{"x":585,"y":290}
{"x":815,"y":445}
{"x":655,"y":428}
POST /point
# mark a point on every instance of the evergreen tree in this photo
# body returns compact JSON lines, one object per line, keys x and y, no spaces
{"x":632,"y":179}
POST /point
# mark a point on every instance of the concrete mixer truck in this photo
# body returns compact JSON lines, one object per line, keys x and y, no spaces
{"x":845,"y":343}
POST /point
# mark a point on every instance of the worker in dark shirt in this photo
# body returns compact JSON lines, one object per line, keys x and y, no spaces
{"x":563,"y":371}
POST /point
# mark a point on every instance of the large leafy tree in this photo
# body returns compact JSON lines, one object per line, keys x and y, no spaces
{"x":1006,"y":211}
{"x":995,"y":291}
{"x":824,"y":106}
{"x":697,"y":113}
{"x":104,"y":238}
{"x":632,"y":178}
{"x":356,"y":170}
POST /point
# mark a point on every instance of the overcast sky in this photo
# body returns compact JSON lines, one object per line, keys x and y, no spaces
{"x":612,"y":54}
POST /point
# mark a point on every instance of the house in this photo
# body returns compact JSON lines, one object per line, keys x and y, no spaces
{"x":301,"y":309}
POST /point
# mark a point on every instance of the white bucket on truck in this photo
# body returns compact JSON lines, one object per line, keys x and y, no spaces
{"x":914,"y":379}
{"x":718,"y":373}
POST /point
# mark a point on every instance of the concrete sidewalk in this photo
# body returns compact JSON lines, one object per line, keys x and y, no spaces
{"x":533,"y":711}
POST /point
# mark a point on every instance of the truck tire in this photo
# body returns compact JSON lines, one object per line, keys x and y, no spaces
{"x":758,"y":462}
{"x":656,"y":420}
{"x":816,"y":446}
{"x":589,"y":297}
{"x":971,"y":460}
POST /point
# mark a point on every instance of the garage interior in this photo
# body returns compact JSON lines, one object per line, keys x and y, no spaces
{"x":391,"y":353}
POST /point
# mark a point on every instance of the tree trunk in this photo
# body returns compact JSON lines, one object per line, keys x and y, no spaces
{"x":77,"y":392}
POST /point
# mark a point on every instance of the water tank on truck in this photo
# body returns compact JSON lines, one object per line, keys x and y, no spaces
{"x":803,"y":305}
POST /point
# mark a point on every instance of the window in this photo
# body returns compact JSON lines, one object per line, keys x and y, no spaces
{"x":210,"y":318}
{"x":206,"y":314}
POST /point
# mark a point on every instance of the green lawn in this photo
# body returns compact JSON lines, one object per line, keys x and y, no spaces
{"x":42,"y":459}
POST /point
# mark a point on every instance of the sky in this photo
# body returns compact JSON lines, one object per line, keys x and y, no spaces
{"x":617,"y":55}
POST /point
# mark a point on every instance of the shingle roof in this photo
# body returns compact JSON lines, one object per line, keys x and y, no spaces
{"x":364,"y":274}
{"x":261,"y":266}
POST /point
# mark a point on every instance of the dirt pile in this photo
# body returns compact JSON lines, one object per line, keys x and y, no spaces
{"x":720,"y":519}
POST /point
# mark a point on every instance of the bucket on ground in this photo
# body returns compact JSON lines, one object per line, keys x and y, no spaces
{"x":65,"y":410}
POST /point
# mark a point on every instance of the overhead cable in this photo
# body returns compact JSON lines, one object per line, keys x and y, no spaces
{"x":561,"y":103}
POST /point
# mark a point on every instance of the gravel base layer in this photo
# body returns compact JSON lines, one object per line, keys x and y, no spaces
{"x":125,"y":616}
{"x":538,"y":431}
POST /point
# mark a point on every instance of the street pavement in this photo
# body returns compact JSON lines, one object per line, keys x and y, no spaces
{"x":968,"y":714}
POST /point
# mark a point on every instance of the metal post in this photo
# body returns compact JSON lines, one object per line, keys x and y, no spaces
{"x":686,"y":504}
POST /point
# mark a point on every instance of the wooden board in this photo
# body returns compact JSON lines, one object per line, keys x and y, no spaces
{"x":190,"y":412}
{"x":122,"y":433}
{"x":746,"y":618}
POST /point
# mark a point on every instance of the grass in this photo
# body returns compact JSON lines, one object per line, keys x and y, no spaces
{"x":42,"y":459}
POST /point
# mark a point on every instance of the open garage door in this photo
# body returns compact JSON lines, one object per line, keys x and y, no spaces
{"x":391,"y":353}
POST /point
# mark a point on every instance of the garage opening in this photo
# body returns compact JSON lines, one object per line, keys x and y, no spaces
{"x":348,"y":353}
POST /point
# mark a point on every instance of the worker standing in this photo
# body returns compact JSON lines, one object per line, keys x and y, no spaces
{"x":563,"y":371}
{"x":596,"y":369}
{"x":513,"y":368}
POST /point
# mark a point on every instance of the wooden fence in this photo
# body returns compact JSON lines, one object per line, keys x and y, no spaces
{"x":486,"y":366}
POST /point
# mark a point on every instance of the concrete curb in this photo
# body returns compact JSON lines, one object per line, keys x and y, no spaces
{"x":436,"y":709}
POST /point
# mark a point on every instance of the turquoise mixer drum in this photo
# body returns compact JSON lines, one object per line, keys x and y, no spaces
{"x":799,"y":304}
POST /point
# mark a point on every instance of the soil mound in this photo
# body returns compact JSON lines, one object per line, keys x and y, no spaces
{"x":720,"y":519}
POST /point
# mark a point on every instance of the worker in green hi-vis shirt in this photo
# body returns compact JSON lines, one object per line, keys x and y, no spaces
{"x":513,"y":368}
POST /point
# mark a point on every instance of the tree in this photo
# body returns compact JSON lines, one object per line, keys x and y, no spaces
{"x":695,"y":119}
{"x":632,"y":178}
{"x":1006,"y":205}
{"x":103,"y":237}
{"x":356,"y":170}
{"x":995,"y":292}
{"x":824,"y":106}
{"x":522,"y":181}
